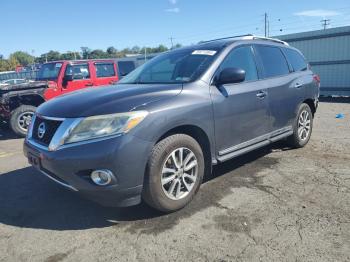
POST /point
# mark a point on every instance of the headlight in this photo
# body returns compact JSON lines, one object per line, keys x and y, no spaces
{"x":104,"y":125}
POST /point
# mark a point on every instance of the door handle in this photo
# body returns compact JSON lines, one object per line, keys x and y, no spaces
{"x":298,"y":85}
{"x":89,"y":84}
{"x":261,"y":94}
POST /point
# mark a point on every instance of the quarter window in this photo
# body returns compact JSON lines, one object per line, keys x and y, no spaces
{"x":242,"y":58}
{"x":78,"y":71}
{"x":125,"y":67}
{"x":273,"y":61}
{"x":105,"y":70}
{"x":296,"y":60}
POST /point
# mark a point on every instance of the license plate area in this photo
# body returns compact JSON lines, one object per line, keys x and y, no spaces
{"x":34,"y":161}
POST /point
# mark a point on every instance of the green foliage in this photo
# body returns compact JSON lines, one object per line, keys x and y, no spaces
{"x":23,"y":58}
{"x":70,"y":56}
{"x":98,"y":53}
{"x":9,"y":64}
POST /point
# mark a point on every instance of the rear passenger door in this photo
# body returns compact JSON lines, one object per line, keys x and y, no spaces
{"x":241,"y":111}
{"x":106,"y":73}
{"x":284,"y":89}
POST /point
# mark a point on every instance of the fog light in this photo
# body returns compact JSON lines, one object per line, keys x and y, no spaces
{"x":101,"y":177}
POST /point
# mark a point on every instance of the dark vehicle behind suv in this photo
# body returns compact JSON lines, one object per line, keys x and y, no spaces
{"x":157,"y":134}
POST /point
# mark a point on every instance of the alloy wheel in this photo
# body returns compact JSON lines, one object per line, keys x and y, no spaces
{"x":179,"y":173}
{"x":304,"y":125}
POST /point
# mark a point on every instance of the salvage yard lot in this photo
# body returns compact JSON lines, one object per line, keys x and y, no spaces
{"x":274,"y":204}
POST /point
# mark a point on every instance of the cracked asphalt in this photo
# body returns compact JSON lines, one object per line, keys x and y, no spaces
{"x":274,"y":204}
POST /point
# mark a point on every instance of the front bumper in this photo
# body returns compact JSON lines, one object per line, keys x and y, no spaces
{"x":126,"y":156}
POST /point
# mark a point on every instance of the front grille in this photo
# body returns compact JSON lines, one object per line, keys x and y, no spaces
{"x":51,"y":127}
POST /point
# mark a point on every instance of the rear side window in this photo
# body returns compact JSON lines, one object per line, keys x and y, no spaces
{"x":105,"y":70}
{"x":273,"y":61}
{"x":242,"y":58}
{"x":125,"y":67}
{"x":296,"y":60}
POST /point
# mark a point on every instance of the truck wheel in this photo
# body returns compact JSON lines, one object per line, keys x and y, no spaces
{"x":302,"y":127}
{"x":21,"y":118}
{"x":174,"y":173}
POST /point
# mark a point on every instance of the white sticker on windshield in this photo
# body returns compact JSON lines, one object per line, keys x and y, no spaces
{"x":58,"y":65}
{"x":204,"y":52}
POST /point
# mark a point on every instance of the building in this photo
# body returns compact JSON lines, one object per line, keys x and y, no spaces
{"x":328,"y":52}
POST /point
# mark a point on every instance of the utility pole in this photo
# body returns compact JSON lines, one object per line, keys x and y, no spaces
{"x":145,"y":54}
{"x":266,"y":23}
{"x":172,"y":44}
{"x":325,"y":22}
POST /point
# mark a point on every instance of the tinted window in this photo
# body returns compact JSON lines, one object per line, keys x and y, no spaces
{"x":78,"y":71}
{"x":125,"y":67}
{"x":178,"y":66}
{"x":296,"y":60}
{"x":242,"y":57}
{"x":104,"y":69}
{"x":273,"y":61}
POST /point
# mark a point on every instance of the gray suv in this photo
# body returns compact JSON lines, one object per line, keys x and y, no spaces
{"x":153,"y":136}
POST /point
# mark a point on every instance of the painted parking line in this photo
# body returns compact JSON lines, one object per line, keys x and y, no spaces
{"x":4,"y":154}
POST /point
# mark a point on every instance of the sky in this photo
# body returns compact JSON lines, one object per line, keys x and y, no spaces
{"x":38,"y":26}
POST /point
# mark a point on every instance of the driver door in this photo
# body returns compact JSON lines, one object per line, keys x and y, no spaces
{"x":79,"y":77}
{"x":241,"y":110}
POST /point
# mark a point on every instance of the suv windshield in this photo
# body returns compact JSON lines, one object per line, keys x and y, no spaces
{"x":49,"y":71}
{"x":180,"y":66}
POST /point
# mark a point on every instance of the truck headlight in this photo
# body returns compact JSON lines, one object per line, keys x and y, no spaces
{"x":104,"y":125}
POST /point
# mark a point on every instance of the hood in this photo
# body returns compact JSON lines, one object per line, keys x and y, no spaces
{"x":24,"y":86}
{"x":107,"y":100}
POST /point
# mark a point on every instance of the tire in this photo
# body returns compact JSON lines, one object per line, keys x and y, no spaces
{"x":300,"y":139}
{"x":20,"y":119}
{"x":187,"y":182}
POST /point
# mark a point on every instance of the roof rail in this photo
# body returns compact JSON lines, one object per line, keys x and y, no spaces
{"x":270,"y":39}
{"x":248,"y":37}
{"x":225,"y":38}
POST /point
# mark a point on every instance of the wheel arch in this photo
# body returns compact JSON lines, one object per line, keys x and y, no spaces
{"x":311,"y":103}
{"x":199,"y":135}
{"x":30,"y":100}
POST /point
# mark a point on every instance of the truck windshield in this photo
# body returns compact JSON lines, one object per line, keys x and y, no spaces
{"x":178,"y":66}
{"x":49,"y":71}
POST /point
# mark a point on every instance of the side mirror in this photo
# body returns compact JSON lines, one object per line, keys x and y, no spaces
{"x":231,"y":76}
{"x":66,"y":79}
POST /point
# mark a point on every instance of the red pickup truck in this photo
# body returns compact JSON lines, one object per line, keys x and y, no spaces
{"x":18,"y":102}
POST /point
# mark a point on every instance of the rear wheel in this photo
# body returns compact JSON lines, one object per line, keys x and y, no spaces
{"x":302,"y":127}
{"x":174,"y":173}
{"x":21,"y":118}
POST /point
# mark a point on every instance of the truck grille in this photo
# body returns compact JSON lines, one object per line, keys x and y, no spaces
{"x":47,"y":130}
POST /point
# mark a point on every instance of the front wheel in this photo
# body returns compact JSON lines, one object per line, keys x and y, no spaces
{"x":174,"y":173}
{"x":302,"y":127}
{"x":21,"y":118}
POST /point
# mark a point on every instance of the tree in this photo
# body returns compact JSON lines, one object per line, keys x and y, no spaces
{"x":177,"y":46}
{"x":112,"y":51}
{"x":98,"y":53}
{"x":85,"y":52}
{"x":136,"y":49}
{"x":9,"y":64}
{"x":23,"y":58}
{"x":70,"y":56}
{"x":53,"y":55}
